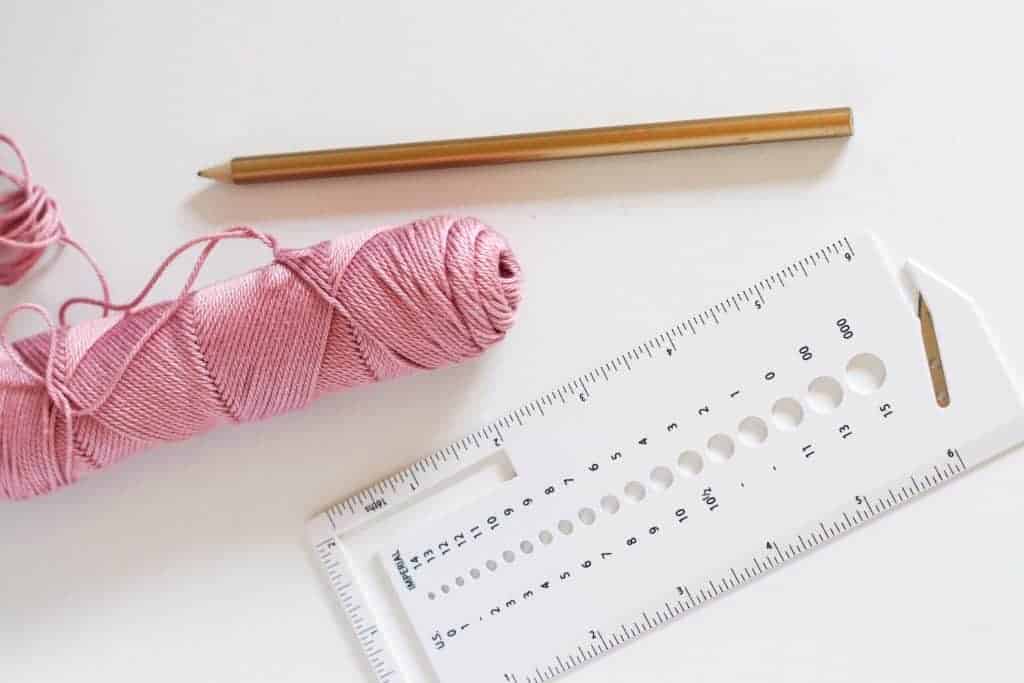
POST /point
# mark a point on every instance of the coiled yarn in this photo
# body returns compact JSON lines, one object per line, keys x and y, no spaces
{"x":334,"y":315}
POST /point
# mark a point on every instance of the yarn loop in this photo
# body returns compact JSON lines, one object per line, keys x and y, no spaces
{"x":30,"y":221}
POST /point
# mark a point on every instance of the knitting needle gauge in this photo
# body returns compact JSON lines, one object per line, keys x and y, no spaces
{"x":673,"y":473}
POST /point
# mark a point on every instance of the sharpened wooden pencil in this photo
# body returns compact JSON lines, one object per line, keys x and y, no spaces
{"x":562,"y":144}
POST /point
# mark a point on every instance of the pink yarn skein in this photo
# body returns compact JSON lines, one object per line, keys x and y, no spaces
{"x":334,"y":315}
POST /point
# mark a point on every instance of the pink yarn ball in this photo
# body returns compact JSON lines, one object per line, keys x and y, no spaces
{"x":317,"y":320}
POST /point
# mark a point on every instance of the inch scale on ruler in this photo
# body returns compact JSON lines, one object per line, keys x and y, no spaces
{"x":676,"y":472}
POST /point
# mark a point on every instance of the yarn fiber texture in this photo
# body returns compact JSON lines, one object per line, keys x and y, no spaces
{"x":335,"y":315}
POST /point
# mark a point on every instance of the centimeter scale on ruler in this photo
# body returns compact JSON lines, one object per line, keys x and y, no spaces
{"x":457,"y":632}
{"x":350,"y":511}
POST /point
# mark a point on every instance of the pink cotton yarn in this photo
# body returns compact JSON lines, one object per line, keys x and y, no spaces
{"x":334,"y":315}
{"x":30,"y":222}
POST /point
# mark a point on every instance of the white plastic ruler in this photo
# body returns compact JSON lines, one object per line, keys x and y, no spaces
{"x":772,"y":422}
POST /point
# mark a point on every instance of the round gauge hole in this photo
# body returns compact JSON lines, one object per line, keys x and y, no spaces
{"x":690,"y":463}
{"x":787,"y":414}
{"x":635,"y":492}
{"x":661,"y":478}
{"x":824,"y":395}
{"x":587,"y":516}
{"x":720,"y":448}
{"x":865,"y":373}
{"x":753,"y":432}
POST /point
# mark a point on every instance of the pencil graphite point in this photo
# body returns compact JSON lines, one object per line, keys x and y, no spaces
{"x":220,"y":173}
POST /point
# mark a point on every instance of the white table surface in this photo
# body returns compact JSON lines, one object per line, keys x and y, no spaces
{"x":187,"y":563}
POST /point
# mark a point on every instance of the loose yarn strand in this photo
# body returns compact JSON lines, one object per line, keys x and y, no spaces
{"x":59,"y":394}
{"x":211,"y":242}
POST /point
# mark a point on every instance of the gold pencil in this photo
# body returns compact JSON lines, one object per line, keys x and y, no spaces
{"x":562,"y":144}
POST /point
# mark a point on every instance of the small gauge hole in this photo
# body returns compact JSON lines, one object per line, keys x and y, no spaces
{"x":474,"y":573}
{"x":661,"y":478}
{"x":610,"y":504}
{"x":526,"y":547}
{"x":587,"y":516}
{"x":431,"y":596}
{"x":508,"y":556}
{"x":459,"y":581}
{"x":635,"y":492}
{"x":491,"y":565}
{"x":690,"y":463}
{"x":546,"y":537}
{"x":446,"y":589}
{"x":565,"y":526}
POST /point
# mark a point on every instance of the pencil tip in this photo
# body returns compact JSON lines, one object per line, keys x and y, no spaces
{"x":221,"y":173}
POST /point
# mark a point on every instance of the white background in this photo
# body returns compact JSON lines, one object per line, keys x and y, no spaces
{"x":187,"y":563}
